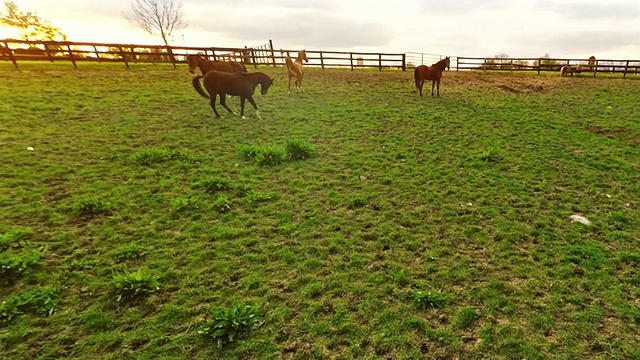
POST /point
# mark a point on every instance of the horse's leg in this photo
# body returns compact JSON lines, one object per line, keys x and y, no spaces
{"x":213,"y":104}
{"x":300,"y":83}
{"x":289,"y":88}
{"x":433,"y":85}
{"x":438,"y":86}
{"x":223,"y":102}
{"x":421,"y":86}
{"x":250,"y":98}
{"x":242,"y":98}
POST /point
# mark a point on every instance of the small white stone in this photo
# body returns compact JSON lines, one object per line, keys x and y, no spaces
{"x":579,"y":218}
{"x":30,"y":148}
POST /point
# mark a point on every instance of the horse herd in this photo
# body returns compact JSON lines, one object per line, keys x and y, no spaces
{"x":222,"y":78}
{"x":231,"y":78}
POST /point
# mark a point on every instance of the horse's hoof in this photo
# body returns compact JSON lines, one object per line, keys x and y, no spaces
{"x":244,"y":117}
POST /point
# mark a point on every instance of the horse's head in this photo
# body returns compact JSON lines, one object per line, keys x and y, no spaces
{"x":447,"y":62}
{"x":193,"y":61}
{"x":265,"y":84}
{"x":302,"y":55}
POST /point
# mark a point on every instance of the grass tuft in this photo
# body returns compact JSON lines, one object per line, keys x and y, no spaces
{"x":229,"y":324}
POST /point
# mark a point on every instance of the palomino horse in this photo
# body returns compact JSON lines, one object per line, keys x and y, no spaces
{"x":294,"y":69}
{"x":568,"y":69}
{"x":236,"y":84}
{"x":197,"y":61}
{"x":433,"y":73}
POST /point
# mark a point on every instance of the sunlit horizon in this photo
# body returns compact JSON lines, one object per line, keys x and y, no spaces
{"x":561,"y":29}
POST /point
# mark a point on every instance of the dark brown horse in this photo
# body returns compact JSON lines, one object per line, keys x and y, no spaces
{"x":236,"y":84}
{"x":294,"y":69}
{"x":197,"y":61}
{"x":433,"y":73}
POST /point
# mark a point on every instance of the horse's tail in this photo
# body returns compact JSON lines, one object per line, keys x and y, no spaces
{"x":198,"y":87}
{"x":563,"y":70}
{"x":416,"y":76}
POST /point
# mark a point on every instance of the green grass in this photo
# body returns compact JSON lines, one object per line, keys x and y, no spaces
{"x":366,"y":222}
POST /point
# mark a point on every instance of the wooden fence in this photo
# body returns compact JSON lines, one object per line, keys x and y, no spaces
{"x":539,"y":65}
{"x":76,"y":52}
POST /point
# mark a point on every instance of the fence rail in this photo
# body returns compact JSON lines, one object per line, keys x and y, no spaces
{"x":539,"y":65}
{"x":22,"y":50}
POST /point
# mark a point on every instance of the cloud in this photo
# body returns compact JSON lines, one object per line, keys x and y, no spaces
{"x":584,"y":11}
{"x":460,"y":6}
{"x":304,"y":28}
{"x":289,"y":4}
{"x":582,"y":42}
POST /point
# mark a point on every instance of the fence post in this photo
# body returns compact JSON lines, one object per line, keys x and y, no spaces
{"x":485,"y":64}
{"x":10,"y":54}
{"x":213,"y":53}
{"x":124,"y":57}
{"x":404,"y":62}
{"x":71,"y":56}
{"x":511,"y":65}
{"x":171,"y":57}
{"x":351,"y":60}
{"x":46,"y":48}
{"x":595,"y":68}
{"x":379,"y":62}
{"x":273,"y":54}
{"x":539,"y":65}
{"x":625,"y":69}
{"x":321,"y":60}
{"x":95,"y":49}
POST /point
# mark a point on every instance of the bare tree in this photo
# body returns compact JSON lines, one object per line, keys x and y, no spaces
{"x":157,"y":17}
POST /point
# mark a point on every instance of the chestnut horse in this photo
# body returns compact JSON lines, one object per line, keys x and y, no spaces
{"x":197,"y":61}
{"x":236,"y":84}
{"x":567,"y":69}
{"x":433,"y":73}
{"x":294,"y":69}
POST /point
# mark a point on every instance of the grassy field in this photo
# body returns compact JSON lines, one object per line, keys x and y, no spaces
{"x":135,"y":225}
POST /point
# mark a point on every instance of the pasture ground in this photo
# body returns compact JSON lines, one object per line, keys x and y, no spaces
{"x":422,"y":228}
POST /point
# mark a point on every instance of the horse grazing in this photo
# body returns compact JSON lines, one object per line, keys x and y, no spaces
{"x":197,"y":61}
{"x":567,"y":69}
{"x":236,"y":84}
{"x":433,"y":73}
{"x":294,"y":69}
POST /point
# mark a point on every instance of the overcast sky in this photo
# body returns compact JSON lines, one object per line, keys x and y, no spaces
{"x":577,"y":29}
